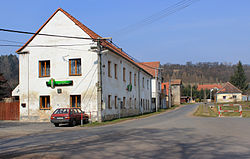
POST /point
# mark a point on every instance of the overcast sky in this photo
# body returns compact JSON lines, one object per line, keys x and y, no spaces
{"x":206,"y":31}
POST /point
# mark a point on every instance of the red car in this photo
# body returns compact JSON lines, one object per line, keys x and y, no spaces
{"x":71,"y":116}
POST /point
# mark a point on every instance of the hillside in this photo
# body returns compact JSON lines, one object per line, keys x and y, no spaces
{"x":199,"y":73}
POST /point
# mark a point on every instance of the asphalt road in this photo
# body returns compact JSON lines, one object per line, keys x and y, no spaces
{"x":175,"y":134}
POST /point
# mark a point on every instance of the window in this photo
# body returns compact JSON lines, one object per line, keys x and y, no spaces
{"x":130,"y":102}
{"x":44,"y":102}
{"x":143,"y":82}
{"x":224,"y":97}
{"x":115,"y":66}
{"x":130,"y":77}
{"x":75,"y":101}
{"x":109,"y":101}
{"x":75,"y":67}
{"x":44,"y":68}
{"x":123,"y":102}
{"x":124,"y":74}
{"x":115,"y":101}
{"x":109,"y":69}
{"x":135,"y":103}
{"x":147,"y":84}
{"x":234,"y":96}
{"x":135,"y":79}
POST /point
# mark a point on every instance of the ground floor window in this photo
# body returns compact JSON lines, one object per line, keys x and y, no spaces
{"x":75,"y":101}
{"x":44,"y":102}
{"x":224,"y":97}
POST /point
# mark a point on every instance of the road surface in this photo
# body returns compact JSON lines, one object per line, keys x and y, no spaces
{"x":175,"y":134}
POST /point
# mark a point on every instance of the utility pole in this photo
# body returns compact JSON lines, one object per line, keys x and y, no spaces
{"x":99,"y":83}
{"x":169,"y":94}
{"x":156,"y":92}
{"x":191,"y":93}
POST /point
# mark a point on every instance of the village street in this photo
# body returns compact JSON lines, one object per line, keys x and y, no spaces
{"x":175,"y":134}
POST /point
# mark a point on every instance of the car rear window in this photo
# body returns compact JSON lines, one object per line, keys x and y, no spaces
{"x":61,"y":111}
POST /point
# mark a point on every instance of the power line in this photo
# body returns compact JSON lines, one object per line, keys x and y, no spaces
{"x":45,"y":45}
{"x":157,"y":16}
{"x":52,"y":35}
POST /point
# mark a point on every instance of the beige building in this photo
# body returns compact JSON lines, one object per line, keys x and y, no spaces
{"x":175,"y":91}
{"x":229,"y":93}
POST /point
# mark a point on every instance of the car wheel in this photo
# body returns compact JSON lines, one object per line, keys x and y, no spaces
{"x":56,"y":124}
{"x":73,"y":123}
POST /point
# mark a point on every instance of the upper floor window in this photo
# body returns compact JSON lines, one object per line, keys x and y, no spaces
{"x":135,"y":79}
{"x":143,"y":82}
{"x":115,"y":67}
{"x":44,"y":68}
{"x":75,"y":67}
{"x":130,"y":77}
{"x":44,"y":102}
{"x":124,"y":74}
{"x":109,"y":68}
{"x":147,"y":84}
{"x":75,"y":101}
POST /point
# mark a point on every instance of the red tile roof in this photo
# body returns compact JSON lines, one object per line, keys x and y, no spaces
{"x":173,"y":82}
{"x":150,"y":67}
{"x":208,"y":86}
{"x":229,"y":88}
{"x":91,"y":33}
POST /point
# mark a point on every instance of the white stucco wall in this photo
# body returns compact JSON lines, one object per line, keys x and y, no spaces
{"x":229,"y":97}
{"x":117,"y":87}
{"x":32,"y":87}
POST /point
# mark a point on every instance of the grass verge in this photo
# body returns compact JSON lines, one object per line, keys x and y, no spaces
{"x":205,"y":111}
{"x":94,"y":124}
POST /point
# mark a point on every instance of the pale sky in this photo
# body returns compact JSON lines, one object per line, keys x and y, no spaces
{"x":206,"y":31}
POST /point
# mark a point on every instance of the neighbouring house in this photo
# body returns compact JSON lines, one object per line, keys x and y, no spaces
{"x":84,"y":71}
{"x":158,"y":99}
{"x":209,"y":86}
{"x":228,"y":93}
{"x":175,"y":90}
{"x":212,"y":88}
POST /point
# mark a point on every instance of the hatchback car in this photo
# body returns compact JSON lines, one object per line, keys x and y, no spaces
{"x":71,"y":116}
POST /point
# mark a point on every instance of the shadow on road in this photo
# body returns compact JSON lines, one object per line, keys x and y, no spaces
{"x":134,"y":143}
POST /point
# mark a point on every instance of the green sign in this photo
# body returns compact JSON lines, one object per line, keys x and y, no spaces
{"x":129,"y":87}
{"x":52,"y":83}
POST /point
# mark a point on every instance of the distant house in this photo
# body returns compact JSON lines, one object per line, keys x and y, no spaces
{"x":209,"y":86}
{"x":229,"y":93}
{"x":158,"y":99}
{"x":175,"y":91}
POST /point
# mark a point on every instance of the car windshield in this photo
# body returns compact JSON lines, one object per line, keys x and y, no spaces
{"x":61,"y":111}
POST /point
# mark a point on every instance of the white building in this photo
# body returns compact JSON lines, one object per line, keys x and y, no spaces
{"x":57,"y":72}
{"x":154,"y":69}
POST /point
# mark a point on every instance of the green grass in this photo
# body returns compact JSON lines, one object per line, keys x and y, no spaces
{"x":145,"y":115}
{"x":205,"y":111}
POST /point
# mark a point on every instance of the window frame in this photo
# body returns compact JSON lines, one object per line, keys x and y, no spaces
{"x":130,"y":77}
{"x":40,"y":68}
{"x":46,"y":98}
{"x":109,"y":102}
{"x":109,"y":69}
{"x":124,"y":102}
{"x":76,"y":73}
{"x":115,"y":72}
{"x":76,"y":98}
{"x":124,"y":74}
{"x":116,"y":106}
{"x":135,"y":79}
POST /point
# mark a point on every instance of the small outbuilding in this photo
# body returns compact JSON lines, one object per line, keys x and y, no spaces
{"x":229,"y":93}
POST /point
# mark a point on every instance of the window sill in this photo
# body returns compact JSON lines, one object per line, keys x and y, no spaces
{"x":44,"y":76}
{"x":45,"y":108}
{"x":75,"y":75}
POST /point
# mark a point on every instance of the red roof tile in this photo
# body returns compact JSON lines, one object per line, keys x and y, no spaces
{"x":91,"y":33}
{"x":150,"y":67}
{"x":208,"y":86}
{"x":229,"y":88}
